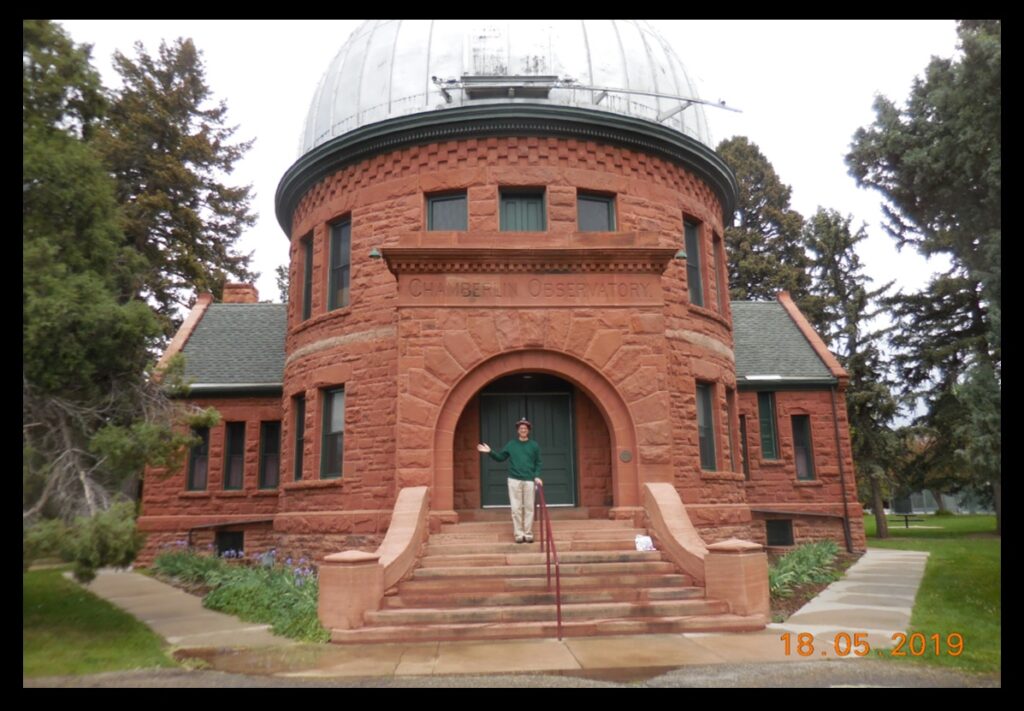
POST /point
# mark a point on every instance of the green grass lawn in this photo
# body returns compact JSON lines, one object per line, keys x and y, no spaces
{"x":960,"y":590}
{"x":68,"y":630}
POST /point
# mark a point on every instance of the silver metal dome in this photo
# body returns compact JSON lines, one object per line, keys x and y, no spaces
{"x":391,"y":68}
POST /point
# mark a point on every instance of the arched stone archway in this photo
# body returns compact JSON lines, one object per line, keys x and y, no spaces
{"x":621,"y":429}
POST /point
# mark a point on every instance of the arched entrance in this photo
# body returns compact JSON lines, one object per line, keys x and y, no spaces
{"x":454,"y":431}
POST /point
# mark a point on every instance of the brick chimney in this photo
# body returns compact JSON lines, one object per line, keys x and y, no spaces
{"x":240,"y":294}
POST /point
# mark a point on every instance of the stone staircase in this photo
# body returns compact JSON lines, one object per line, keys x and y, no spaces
{"x":475,"y":583}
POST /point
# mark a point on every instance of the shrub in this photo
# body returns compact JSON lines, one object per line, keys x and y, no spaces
{"x":45,"y":539}
{"x":108,"y":538}
{"x":810,"y":563}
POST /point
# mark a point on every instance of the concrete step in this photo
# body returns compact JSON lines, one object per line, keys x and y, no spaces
{"x":447,"y":598}
{"x":624,"y":543}
{"x":538,"y":613}
{"x":567,"y":569}
{"x":538,"y":558}
{"x":539,"y":583}
{"x":506,"y":536}
{"x":539,"y":629}
{"x":556,"y":525}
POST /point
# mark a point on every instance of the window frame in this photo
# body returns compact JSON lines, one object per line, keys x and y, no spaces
{"x":808,"y":448}
{"x":607,"y":200}
{"x":522,"y":193}
{"x":299,"y":439}
{"x":447,"y":197}
{"x":197,"y":452}
{"x":694,"y":262}
{"x":743,"y":447}
{"x":717,"y":254}
{"x":705,"y":395}
{"x":340,"y":243}
{"x":772,"y":433}
{"x":264,"y":454}
{"x":787,"y":525}
{"x":306,"y":244}
{"x":230,"y":455}
{"x":219,"y":540}
{"x":329,"y":435}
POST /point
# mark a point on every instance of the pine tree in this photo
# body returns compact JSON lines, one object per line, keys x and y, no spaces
{"x":169,"y":148}
{"x":764,"y":249}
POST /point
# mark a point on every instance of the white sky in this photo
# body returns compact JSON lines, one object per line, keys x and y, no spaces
{"x":804,"y":87}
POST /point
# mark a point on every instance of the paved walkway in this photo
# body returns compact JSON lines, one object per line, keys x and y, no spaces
{"x":875,"y":597}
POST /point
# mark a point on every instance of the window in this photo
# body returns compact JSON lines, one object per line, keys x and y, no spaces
{"x":766,"y":417}
{"x":522,"y":211}
{"x":743,"y":446}
{"x":307,"y":276}
{"x":233,"y":541}
{"x":780,"y":532}
{"x":234,"y":458}
{"x":299,"y":408}
{"x":198,"y":459}
{"x":717,"y":267}
{"x":730,"y":401}
{"x":446,"y":212}
{"x":334,"y":434}
{"x":802,"y":447}
{"x":705,"y":426}
{"x":341,"y":261}
{"x":595,"y":213}
{"x":693,"y":272}
{"x":270,"y":454}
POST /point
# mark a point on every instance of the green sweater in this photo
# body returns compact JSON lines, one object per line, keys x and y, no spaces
{"x":525,"y":459}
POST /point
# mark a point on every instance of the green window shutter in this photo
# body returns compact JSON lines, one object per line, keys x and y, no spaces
{"x":333,"y":447}
{"x":693,"y":266}
{"x":299,"y":403}
{"x":766,"y":417}
{"x":447,"y":212}
{"x":595,"y":213}
{"x":522,"y":212}
{"x":802,"y":450}
{"x":705,"y":427}
{"x":270,"y":454}
{"x":341,"y":261}
{"x":307,"y":276}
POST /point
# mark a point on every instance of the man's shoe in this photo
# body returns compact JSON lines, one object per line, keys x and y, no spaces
{"x":519,"y":539}
{"x":528,"y":539}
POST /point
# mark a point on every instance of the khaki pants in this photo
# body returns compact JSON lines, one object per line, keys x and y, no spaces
{"x":520,"y":495}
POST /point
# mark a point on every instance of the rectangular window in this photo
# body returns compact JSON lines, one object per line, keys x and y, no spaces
{"x":705,"y":426}
{"x":307,"y":276}
{"x":447,"y":212}
{"x":523,"y":211}
{"x":233,"y":541}
{"x":802,"y":450}
{"x":299,"y":408}
{"x":333,"y":449}
{"x":717,"y":267}
{"x":595,"y":213}
{"x":270,"y":454}
{"x":780,"y":532}
{"x":234,"y":457}
{"x":198,"y":459}
{"x":693,"y":270}
{"x":730,"y":402}
{"x":766,"y":418}
{"x":341,"y":261}
{"x":743,"y":446}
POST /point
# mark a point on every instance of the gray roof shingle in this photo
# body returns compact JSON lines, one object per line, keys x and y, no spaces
{"x":243,"y":344}
{"x":236,"y":344}
{"x":769,"y":343}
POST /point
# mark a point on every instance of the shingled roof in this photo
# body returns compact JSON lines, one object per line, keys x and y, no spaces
{"x":768,"y":343}
{"x":237,"y":347}
{"x":240,"y":347}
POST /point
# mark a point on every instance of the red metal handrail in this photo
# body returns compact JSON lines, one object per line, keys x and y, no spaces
{"x":547,"y":542}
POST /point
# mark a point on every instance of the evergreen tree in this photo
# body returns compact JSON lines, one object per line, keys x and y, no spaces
{"x":843,"y":311}
{"x":764,"y":249}
{"x":169,"y":149}
{"x":937,"y":162}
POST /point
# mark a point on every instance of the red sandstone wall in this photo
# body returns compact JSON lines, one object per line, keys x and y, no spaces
{"x":467,"y":459}
{"x":593,"y":455}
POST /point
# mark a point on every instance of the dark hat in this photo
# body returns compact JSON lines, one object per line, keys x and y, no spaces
{"x":524,"y":421}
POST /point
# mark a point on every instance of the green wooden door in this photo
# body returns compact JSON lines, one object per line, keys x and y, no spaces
{"x":551,"y":416}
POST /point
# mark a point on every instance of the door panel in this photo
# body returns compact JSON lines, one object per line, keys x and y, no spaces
{"x":551,"y":416}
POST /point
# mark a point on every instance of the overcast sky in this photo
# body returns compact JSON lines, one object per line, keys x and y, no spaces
{"x":803,"y":88}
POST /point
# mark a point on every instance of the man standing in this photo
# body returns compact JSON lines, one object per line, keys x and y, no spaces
{"x":523,"y":471}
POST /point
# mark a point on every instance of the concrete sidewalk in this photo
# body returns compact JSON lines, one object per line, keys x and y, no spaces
{"x":875,"y":597}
